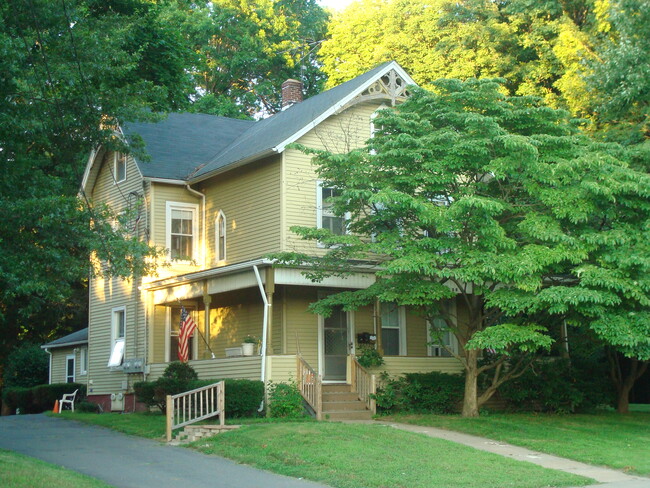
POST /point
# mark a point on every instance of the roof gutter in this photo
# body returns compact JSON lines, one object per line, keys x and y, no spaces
{"x":46,"y":347}
{"x":236,"y":164}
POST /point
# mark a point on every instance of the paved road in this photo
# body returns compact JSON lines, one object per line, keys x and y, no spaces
{"x":129,"y":462}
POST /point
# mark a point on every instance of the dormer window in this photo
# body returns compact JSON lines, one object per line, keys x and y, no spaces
{"x":220,"y":237}
{"x":119,"y":167}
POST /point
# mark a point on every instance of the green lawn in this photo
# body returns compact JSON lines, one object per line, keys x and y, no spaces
{"x":607,"y":439}
{"x":354,"y":456}
{"x":18,"y":471}
{"x":375,"y":456}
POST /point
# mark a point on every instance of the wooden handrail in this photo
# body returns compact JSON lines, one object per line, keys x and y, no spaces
{"x":310,"y":385}
{"x":365,"y":384}
{"x":195,"y":405}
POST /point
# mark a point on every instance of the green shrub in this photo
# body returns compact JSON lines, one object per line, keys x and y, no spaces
{"x":559,"y":386}
{"x":182,"y":372}
{"x":40,"y":398}
{"x":87,"y":407}
{"x":432,"y":392}
{"x":369,"y":357}
{"x":243,"y":397}
{"x":285,"y":401}
{"x":26,"y":366}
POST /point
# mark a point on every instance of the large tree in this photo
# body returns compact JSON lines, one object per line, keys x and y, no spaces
{"x":540,"y":48}
{"x":493,"y":196}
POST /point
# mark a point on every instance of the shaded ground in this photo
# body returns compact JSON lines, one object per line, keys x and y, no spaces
{"x":129,"y":462}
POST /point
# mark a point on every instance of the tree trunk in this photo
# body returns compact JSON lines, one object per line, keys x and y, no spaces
{"x":623,"y":403}
{"x":470,"y":400}
{"x":625,"y":384}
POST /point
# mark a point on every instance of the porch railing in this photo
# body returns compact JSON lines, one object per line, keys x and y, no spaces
{"x":364,"y":383}
{"x":310,"y":385}
{"x":195,"y":405}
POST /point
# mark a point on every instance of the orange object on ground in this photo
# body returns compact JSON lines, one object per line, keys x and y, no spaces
{"x":56,"y":407}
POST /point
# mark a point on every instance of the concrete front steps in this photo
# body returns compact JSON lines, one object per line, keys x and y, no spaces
{"x":341,"y":403}
{"x":195,"y":432}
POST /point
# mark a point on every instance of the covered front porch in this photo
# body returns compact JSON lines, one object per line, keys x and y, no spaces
{"x":270,"y":305}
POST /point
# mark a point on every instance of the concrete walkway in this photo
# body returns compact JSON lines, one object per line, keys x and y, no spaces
{"x":129,"y":462}
{"x":610,"y":477}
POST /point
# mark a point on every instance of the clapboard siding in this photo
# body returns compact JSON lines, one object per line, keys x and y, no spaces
{"x":248,"y":368}
{"x":340,"y":133}
{"x":58,"y":364}
{"x":397,"y":366}
{"x":109,"y":293}
{"x":301,"y":325}
{"x":249,"y":197}
{"x":282,"y":369}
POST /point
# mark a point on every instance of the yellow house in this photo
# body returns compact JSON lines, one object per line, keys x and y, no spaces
{"x":219,"y":195}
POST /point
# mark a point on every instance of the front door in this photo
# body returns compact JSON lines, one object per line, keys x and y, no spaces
{"x":336,"y":339}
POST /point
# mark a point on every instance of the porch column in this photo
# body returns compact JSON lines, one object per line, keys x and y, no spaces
{"x":207,"y":300}
{"x":377,"y":313}
{"x":269,"y":289}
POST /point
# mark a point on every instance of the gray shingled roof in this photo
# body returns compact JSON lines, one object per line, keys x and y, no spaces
{"x":187,"y":145}
{"x":182,"y":142}
{"x":79,"y":337}
{"x":268,"y":133}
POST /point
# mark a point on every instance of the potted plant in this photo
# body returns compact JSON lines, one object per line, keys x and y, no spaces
{"x":248,"y":346}
{"x":368,"y":356}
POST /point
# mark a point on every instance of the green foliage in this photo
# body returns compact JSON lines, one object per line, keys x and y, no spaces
{"x":432,"y":392}
{"x":40,"y":398}
{"x":27,"y":366}
{"x":369,"y":357}
{"x":285,"y":401}
{"x":243,"y":397}
{"x":559,"y":386}
{"x":87,"y":407}
{"x":539,"y":48}
{"x":501,"y":196}
{"x":182,"y":372}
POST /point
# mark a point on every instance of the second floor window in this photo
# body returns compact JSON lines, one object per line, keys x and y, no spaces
{"x":220,"y":237}
{"x":119,"y":168}
{"x":326,"y":218}
{"x":182,"y":231}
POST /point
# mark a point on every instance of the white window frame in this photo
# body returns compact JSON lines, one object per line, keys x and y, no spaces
{"x":435,"y":350}
{"x":321,"y":327}
{"x":217,"y":237}
{"x":401,"y":326}
{"x":319,"y":208}
{"x":118,"y":343}
{"x":194,"y":208}
{"x":373,"y":128}
{"x":83,"y":361}
{"x":71,"y":357}
{"x":121,"y":159}
{"x":192,"y":346}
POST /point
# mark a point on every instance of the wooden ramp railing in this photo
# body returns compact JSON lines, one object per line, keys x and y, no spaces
{"x":310,"y":385}
{"x":195,"y":405}
{"x":365,"y":384}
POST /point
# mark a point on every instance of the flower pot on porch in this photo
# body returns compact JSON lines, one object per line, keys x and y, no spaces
{"x":248,"y":348}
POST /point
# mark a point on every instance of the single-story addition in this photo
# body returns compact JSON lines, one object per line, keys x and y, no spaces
{"x":68,"y":358}
{"x":219,"y":195}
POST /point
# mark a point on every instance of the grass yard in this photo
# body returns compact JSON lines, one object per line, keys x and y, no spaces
{"x":18,"y":471}
{"x":149,"y":425}
{"x":375,"y":456}
{"x":606,"y":439}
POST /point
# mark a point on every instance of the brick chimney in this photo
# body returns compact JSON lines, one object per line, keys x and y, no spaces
{"x":291,"y":93}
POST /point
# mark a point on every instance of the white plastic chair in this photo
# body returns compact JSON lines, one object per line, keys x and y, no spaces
{"x":69,"y":399}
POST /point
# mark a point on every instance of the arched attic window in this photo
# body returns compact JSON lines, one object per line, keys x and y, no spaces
{"x":220,"y":237}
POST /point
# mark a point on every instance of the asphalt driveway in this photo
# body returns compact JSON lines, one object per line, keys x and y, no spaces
{"x":129,"y":462}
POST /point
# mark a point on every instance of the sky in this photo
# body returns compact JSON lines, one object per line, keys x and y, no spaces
{"x":335,"y":4}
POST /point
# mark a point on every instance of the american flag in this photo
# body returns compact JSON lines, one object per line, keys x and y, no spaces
{"x":186,"y":330}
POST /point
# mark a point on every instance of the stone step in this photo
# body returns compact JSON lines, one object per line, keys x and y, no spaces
{"x":348,"y":415}
{"x":343,"y":406}
{"x":193,"y":433}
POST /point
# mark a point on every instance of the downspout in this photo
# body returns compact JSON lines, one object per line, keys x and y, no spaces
{"x":265,"y":324}
{"x":199,"y":194}
{"x":49,"y":376}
